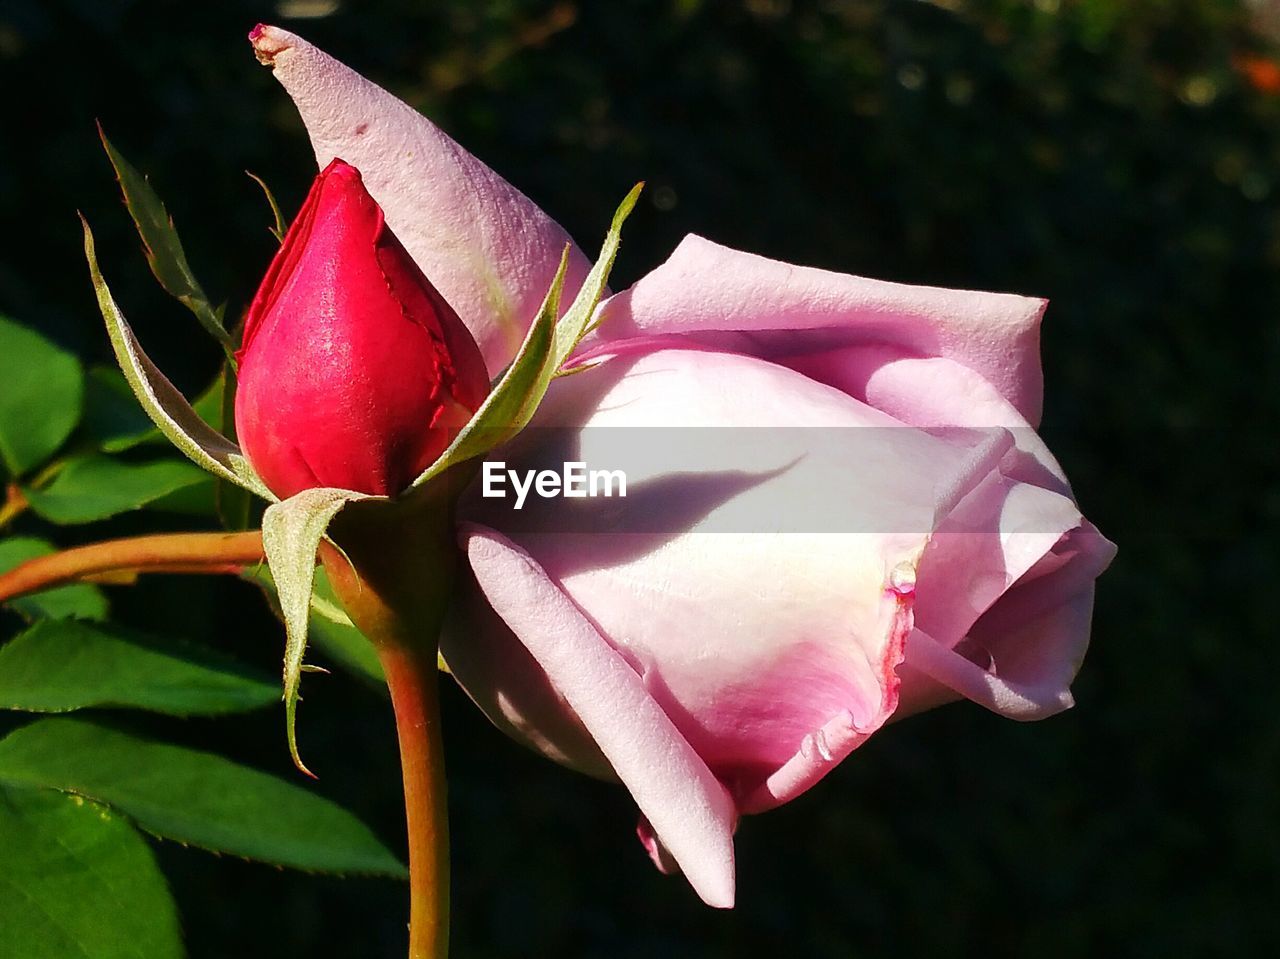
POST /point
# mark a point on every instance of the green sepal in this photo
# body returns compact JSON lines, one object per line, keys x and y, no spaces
{"x":328,"y":627}
{"x":291,"y":534}
{"x":163,"y":248}
{"x":331,"y":629}
{"x":161,"y":400}
{"x":576,"y":323}
{"x":511,"y":403}
{"x":280,"y":228}
{"x":547,"y":345}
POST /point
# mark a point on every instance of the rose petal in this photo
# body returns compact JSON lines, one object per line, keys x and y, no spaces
{"x":744,"y":576}
{"x":824,"y":748}
{"x":676,"y":792}
{"x":774,"y":309}
{"x":934,"y":392}
{"x":482,"y":243}
{"x":658,"y":853}
{"x":1020,"y":655}
{"x":509,"y":686}
{"x":991,"y":540}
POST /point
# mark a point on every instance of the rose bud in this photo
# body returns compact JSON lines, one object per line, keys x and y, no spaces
{"x":487,"y":247}
{"x":354,"y":372}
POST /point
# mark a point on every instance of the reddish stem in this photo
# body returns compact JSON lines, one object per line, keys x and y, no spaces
{"x":15,"y":503}
{"x":395,"y":576}
{"x":165,"y":553}
{"x":412,"y":679}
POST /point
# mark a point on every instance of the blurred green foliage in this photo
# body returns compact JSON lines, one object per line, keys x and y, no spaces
{"x":1122,"y":159}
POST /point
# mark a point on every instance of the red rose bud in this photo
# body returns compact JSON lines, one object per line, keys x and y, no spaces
{"x":354,"y":372}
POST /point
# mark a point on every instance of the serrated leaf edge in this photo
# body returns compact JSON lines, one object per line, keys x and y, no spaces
{"x":141,"y":194}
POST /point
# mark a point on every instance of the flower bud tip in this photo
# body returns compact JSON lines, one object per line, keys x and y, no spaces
{"x":269,"y":42}
{"x":341,"y":169}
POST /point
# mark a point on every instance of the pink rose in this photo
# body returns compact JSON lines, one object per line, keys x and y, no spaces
{"x":354,"y":372}
{"x":703,"y":645}
{"x":719,"y":670}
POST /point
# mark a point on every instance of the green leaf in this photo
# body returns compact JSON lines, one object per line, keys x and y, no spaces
{"x":61,"y":665}
{"x":234,"y":507}
{"x":94,"y":487}
{"x":291,"y":534}
{"x":198,"y":499}
{"x":168,"y":408}
{"x":78,"y":882}
{"x":112,"y":417}
{"x":548,"y":344}
{"x":164,"y":250}
{"x":117,"y":423}
{"x":81,"y":600}
{"x":41,"y":393}
{"x":194,"y":797}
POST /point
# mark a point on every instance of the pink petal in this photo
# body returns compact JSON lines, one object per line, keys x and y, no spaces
{"x":772,"y":309}
{"x":1019,"y":656}
{"x":933,"y":392}
{"x":967,"y":641}
{"x":482,"y":243}
{"x":824,"y":748}
{"x":987,"y":543}
{"x":676,"y":792}
{"x":757,"y":644}
{"x":510,"y":687}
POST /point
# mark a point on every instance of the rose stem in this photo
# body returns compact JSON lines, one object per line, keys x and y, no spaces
{"x":395,"y":574}
{"x":164,"y":553}
{"x":14,"y":505}
{"x":412,"y":678}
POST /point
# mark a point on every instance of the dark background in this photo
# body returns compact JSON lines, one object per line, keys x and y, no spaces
{"x":1121,"y":158}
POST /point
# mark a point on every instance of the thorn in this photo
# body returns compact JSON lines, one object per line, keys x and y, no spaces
{"x":290,"y":710}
